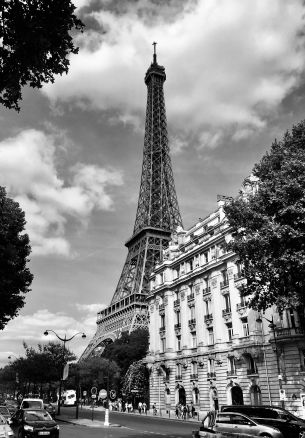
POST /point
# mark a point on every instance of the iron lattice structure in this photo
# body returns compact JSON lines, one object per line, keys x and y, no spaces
{"x":157,"y":217}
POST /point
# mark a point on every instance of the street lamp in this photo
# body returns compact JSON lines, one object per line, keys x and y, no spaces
{"x":64,"y":340}
{"x":16,"y":376}
{"x":273,"y":326}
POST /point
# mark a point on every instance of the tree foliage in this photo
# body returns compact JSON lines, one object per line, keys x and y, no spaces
{"x":128,"y":348}
{"x":15,"y":277}
{"x":40,"y":366}
{"x":35,"y":44}
{"x":269,"y":226}
{"x":96,"y":371}
{"x":136,"y":379}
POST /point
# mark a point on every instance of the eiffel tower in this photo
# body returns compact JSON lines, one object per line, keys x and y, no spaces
{"x":157,"y":217}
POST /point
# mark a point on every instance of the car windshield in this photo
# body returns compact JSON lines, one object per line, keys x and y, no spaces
{"x":285,"y":415}
{"x":31,"y":404}
{"x":37,"y":416}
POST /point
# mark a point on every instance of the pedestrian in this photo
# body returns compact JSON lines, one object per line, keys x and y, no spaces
{"x":144,"y":406}
{"x":140,"y":405}
{"x":177,"y":410}
{"x":184,"y":411}
{"x":154,"y":409}
{"x":193,"y":411}
{"x":188,"y":409}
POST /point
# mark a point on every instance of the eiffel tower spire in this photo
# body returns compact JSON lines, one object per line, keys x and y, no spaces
{"x":157,"y":217}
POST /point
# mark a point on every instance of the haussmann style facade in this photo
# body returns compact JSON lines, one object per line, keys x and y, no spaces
{"x":207,"y":348}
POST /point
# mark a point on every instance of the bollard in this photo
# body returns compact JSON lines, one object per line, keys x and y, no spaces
{"x":106,"y":422}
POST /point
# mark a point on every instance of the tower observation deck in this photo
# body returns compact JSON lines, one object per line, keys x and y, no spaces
{"x":157,"y":217}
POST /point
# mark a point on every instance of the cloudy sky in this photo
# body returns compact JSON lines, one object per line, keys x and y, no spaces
{"x":72,"y":156}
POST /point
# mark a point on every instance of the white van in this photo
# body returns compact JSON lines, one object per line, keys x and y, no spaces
{"x":32,"y":403}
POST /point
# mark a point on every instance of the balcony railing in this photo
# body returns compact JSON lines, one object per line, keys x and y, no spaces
{"x":190,"y":297}
{"x":251,"y":371}
{"x":231,"y":373}
{"x":161,"y":306}
{"x":206,"y":290}
{"x":241,"y":305}
{"x":211,"y":375}
{"x":192,"y":322}
{"x":208,"y":317}
{"x":177,"y":326}
{"x":288,"y":332}
{"x":178,"y":377}
{"x":194,"y":376}
{"x":176,"y":303}
{"x":224,"y":284}
{"x":162,"y":329}
{"x":226,"y":311}
{"x":239,"y":275}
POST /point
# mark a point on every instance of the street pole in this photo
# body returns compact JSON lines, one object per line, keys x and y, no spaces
{"x":272,"y":326}
{"x":64,"y":340}
{"x":106,"y":423}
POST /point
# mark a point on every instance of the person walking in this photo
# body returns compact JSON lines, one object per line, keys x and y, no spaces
{"x":140,"y":405}
{"x":144,"y":407}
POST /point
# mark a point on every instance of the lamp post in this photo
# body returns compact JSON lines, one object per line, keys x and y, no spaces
{"x":16,"y":375}
{"x":64,"y":340}
{"x":272,"y":326}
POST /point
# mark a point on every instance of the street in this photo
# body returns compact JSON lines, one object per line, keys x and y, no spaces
{"x":130,"y":425}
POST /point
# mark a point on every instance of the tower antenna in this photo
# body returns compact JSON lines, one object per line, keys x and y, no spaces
{"x":155,"y":54}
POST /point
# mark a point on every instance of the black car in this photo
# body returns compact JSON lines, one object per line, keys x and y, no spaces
{"x":27,"y":423}
{"x":290,"y":425}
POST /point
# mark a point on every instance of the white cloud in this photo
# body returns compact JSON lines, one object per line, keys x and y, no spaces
{"x":228,"y":65}
{"x":28,"y":171}
{"x":30,"y":328}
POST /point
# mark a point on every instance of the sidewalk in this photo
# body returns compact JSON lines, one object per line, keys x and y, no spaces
{"x":100,"y":423}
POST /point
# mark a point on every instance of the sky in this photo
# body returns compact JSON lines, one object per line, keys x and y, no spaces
{"x":72,"y":156}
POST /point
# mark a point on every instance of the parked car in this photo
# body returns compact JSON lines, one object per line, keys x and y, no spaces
{"x":31,"y":403}
{"x":50,"y":408}
{"x":27,"y":423}
{"x":290,"y":425}
{"x":5,"y":413}
{"x":233,"y":423}
{"x":12,"y":406}
{"x":5,"y":429}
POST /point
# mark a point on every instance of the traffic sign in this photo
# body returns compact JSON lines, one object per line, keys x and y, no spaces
{"x":93,"y":395}
{"x":112,"y":394}
{"x":102,"y":394}
{"x":93,"y":390}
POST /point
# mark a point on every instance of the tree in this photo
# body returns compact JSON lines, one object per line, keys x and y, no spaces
{"x":96,"y":371}
{"x":269,"y":226}
{"x":35,"y":44}
{"x":136,"y":379}
{"x":15,"y":277}
{"x":128,"y":348}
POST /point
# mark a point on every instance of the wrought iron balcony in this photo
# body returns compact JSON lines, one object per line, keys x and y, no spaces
{"x":231,"y":373}
{"x":226,"y":311}
{"x":177,"y":326}
{"x":190,"y":297}
{"x":251,"y":371}
{"x":162,"y":329}
{"x":194,"y":376}
{"x":211,"y":375}
{"x":192,"y":324}
{"x":206,"y":290}
{"x":161,"y":306}
{"x":208,"y":317}
{"x":224,"y":284}
{"x":176,"y":303}
{"x":178,"y":377}
{"x":239,"y":275}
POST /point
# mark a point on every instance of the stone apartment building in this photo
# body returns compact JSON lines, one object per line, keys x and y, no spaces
{"x":206,"y":346}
